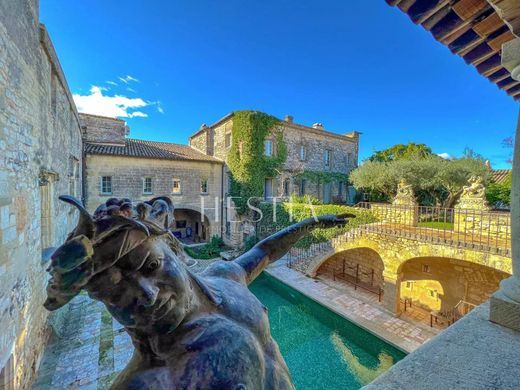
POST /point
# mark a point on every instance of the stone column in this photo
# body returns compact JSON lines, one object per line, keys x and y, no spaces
{"x":391,"y":294}
{"x":505,"y":303}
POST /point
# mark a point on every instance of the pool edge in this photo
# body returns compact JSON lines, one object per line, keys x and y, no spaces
{"x":394,"y":343}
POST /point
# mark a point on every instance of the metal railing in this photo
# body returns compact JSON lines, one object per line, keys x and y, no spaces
{"x":480,"y":230}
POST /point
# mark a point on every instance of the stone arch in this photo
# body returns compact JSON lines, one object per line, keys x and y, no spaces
{"x":439,"y":283}
{"x":190,"y":226}
{"x":362,"y":263}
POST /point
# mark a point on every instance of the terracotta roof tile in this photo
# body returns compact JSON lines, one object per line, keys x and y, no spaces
{"x":149,"y":149}
{"x":499,"y":175}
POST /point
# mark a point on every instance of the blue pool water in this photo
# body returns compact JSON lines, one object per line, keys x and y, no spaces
{"x":322,"y":349}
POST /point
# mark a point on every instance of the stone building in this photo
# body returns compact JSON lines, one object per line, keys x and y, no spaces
{"x":309,"y":149}
{"x":116,"y":166}
{"x":40,"y":158}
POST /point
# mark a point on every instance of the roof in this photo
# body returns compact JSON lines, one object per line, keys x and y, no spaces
{"x":149,"y":149}
{"x":353,"y":136}
{"x":471,"y":29}
{"x":500,"y":175}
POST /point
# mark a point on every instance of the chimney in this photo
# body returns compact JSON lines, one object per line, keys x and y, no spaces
{"x":317,"y":126}
{"x":203,"y":126}
{"x":289,"y":118}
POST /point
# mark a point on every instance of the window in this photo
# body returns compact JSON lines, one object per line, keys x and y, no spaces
{"x":409,"y":285}
{"x":180,"y":224}
{"x":326,"y":158}
{"x":227,"y":140}
{"x":268,"y":147}
{"x":302,"y":187}
{"x":426,"y":268}
{"x":147,"y":185}
{"x":176,"y":186}
{"x":302,"y":152}
{"x":340,"y":189}
{"x":204,"y":186}
{"x":286,"y":187}
{"x":106,"y":185}
{"x":349,"y":159}
{"x":268,"y":188}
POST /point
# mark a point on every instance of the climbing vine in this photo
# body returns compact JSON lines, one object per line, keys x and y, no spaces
{"x":248,"y":165}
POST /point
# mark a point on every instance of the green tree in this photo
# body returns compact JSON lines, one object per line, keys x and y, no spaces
{"x":500,"y":192}
{"x":407,"y":151}
{"x":434,"y":180}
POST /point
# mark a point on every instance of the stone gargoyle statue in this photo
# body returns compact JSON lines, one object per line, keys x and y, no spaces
{"x":190,"y":331}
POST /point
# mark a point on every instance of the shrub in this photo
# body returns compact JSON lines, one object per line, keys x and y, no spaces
{"x":267,"y":225}
{"x":208,"y":251}
{"x":305,"y":199}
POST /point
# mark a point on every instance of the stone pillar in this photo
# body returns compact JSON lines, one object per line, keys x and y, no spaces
{"x":505,"y":303}
{"x":404,"y":206}
{"x":391,"y":294}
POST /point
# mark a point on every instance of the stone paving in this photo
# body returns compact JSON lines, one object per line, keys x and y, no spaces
{"x":92,"y":348}
{"x":357,"y":306}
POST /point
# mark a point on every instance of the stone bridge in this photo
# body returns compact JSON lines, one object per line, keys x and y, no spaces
{"x":425,"y":267}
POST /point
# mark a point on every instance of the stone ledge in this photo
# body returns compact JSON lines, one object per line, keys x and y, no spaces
{"x":504,"y":311}
{"x":474,"y":353}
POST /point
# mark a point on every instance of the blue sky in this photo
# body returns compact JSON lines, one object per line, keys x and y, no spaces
{"x":166,"y":67}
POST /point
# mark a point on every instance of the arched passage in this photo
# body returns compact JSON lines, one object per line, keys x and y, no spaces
{"x":439,"y":283}
{"x":190,"y":227}
{"x":362,"y":267}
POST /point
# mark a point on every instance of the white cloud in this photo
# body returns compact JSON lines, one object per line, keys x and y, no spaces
{"x":127,"y":79}
{"x":116,"y":106}
{"x":160,"y":108}
{"x":112,"y":82}
{"x":445,"y":156}
{"x":130,"y":90}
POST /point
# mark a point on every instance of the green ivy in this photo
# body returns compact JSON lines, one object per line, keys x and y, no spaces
{"x":246,"y":160}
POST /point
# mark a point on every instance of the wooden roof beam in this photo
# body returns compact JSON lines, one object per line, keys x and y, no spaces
{"x":509,"y":12}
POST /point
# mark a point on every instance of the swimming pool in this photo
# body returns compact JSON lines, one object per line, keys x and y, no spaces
{"x":322,"y":349}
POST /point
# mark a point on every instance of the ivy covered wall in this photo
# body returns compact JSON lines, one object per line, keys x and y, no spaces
{"x":247,"y":163}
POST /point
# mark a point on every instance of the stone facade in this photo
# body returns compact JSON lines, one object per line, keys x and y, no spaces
{"x":103,"y":130}
{"x":128,"y":175}
{"x":216,"y":140}
{"x":40,"y":158}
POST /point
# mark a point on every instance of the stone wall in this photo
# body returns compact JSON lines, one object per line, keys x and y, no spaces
{"x":395,"y":214}
{"x":395,"y":251}
{"x":40,"y":156}
{"x":200,"y":142}
{"x":440,"y":283}
{"x":479,"y":223}
{"x":102,"y":129}
{"x":128,"y":174}
{"x":369,"y":262}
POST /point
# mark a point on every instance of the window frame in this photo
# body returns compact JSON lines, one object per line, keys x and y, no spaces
{"x":327,"y":158}
{"x":204,"y":182}
{"x":303,"y":183}
{"x":303,"y":150}
{"x":176,"y":180}
{"x":228,"y":140}
{"x":268,"y":141}
{"x":144,"y":185}
{"x":101,"y":187}
{"x":286,"y":187}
